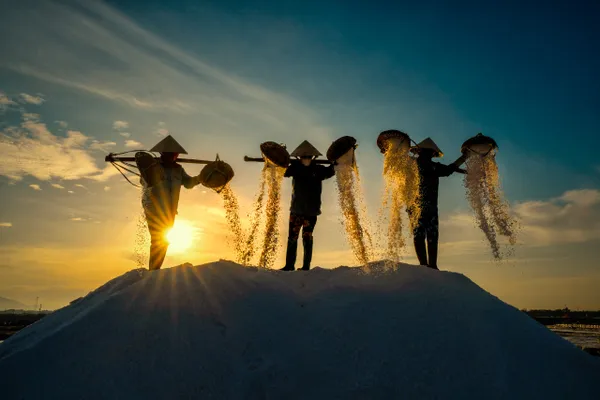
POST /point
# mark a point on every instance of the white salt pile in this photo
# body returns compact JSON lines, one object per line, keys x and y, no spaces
{"x":223,"y":331}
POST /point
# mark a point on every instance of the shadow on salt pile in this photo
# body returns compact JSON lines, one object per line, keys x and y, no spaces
{"x":221,"y":330}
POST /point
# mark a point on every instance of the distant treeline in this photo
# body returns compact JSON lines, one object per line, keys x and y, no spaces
{"x":564,"y":316}
{"x":12,"y":321}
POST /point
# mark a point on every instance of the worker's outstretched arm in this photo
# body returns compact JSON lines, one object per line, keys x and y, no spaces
{"x":189,"y":181}
{"x":327,"y":172}
{"x":447,"y":170}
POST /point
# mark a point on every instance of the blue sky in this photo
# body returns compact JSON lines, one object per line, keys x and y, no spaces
{"x":225,"y":76}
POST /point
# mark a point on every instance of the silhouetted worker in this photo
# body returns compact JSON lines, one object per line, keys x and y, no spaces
{"x":307,"y":178}
{"x":427,"y":225}
{"x":161,"y":194}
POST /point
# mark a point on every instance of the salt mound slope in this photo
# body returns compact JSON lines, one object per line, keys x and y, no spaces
{"x":224,"y":331}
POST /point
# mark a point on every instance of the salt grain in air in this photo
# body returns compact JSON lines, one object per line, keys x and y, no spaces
{"x":490,"y":208}
{"x":349,"y":198}
{"x":249,"y":247}
{"x":268,"y":211}
{"x":232,"y":215}
{"x":401,"y":176}
{"x":274,"y":180}
{"x":142,"y":238}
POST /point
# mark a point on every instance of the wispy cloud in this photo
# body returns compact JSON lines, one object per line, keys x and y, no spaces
{"x":77,"y":219}
{"x":30,"y":116}
{"x":31,"y":149}
{"x":133,"y":144}
{"x":5,"y":102}
{"x":30,"y":99}
{"x":118,"y":125}
{"x":79,"y":185}
{"x":181,"y":82}
{"x":5,"y":224}
{"x":125,"y":134}
{"x":104,"y":147}
{"x":35,"y":187}
{"x":106,"y":173}
{"x":57,"y":186}
{"x":62,"y":124}
{"x":106,"y":188}
{"x":162,"y":129}
{"x":573,"y":217}
{"x":582,"y":198}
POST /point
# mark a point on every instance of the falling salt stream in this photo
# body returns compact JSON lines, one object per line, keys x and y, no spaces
{"x":348,"y":196}
{"x":142,"y":241}
{"x":486,"y":199}
{"x":401,"y":175}
{"x":142,"y":237}
{"x":232,"y":215}
{"x":255,"y":219}
{"x":359,"y":198}
{"x":274,"y":180}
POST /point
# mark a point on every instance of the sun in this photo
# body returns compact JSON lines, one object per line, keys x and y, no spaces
{"x":181,"y":236}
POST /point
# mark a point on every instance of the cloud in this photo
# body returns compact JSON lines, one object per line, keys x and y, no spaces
{"x":77,"y":219}
{"x":118,"y":125}
{"x":31,"y":116}
{"x":31,"y":149}
{"x":584,"y":197}
{"x":79,"y":185}
{"x":95,"y":37}
{"x":57,"y":186}
{"x":5,"y":224}
{"x":71,"y":192}
{"x":132,"y":144}
{"x":29,"y":99}
{"x":35,"y":187}
{"x":5,"y":102}
{"x":162,"y":129}
{"x":573,"y":217}
{"x":108,"y":172}
{"x":62,"y":124}
{"x":106,"y":188}
{"x":125,"y":134}
{"x":105,"y":147}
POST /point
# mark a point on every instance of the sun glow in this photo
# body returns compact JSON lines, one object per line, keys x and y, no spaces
{"x":181,"y":237}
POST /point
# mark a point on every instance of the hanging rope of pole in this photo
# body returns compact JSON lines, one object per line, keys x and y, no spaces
{"x":114,"y":160}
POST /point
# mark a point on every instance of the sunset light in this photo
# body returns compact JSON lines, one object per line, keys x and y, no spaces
{"x":181,"y":236}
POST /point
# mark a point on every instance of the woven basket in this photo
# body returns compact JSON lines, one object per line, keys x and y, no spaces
{"x":340,"y":147}
{"x":216,"y":175}
{"x":275,"y":153}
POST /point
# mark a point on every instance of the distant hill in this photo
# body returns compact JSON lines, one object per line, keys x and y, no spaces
{"x":8,"y":304}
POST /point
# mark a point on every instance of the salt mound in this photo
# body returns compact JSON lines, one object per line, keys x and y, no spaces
{"x":224,"y":331}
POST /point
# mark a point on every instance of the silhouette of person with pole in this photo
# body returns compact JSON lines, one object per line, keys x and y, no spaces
{"x":426,"y":227}
{"x":307,"y":177}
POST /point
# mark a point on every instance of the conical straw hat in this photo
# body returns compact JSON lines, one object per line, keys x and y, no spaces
{"x":306,"y":150}
{"x":168,"y":145}
{"x":428,"y":144}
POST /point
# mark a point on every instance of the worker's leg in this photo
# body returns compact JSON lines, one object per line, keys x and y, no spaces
{"x":433,"y":240}
{"x":419,"y":234}
{"x":295,"y":225}
{"x":308,"y":228}
{"x":157,"y":227}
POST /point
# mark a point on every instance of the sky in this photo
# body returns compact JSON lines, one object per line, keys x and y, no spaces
{"x":79,"y":79}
